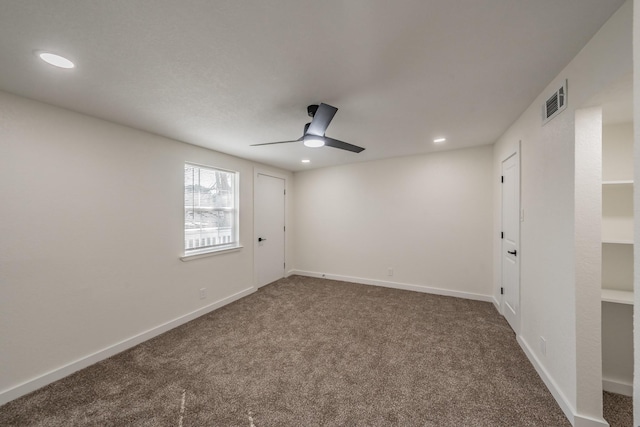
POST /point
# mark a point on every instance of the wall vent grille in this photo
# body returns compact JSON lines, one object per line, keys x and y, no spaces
{"x":555,"y":104}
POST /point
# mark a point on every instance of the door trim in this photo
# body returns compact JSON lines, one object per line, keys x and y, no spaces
{"x":254,"y":246}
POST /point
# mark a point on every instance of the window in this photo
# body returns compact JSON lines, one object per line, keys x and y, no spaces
{"x":210,"y":209}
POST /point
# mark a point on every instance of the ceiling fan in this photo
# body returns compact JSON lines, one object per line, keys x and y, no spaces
{"x":313,"y":135}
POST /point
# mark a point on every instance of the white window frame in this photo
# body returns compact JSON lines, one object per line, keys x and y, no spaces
{"x":216,"y":248}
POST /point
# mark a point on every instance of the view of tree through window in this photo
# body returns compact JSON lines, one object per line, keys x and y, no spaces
{"x":210,"y":214}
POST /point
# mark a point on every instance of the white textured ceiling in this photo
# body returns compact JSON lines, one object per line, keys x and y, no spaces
{"x":228,"y":74}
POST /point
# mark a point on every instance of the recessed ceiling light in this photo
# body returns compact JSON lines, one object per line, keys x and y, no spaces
{"x":313,"y":141}
{"x":55,"y":60}
{"x":439,"y":140}
{"x":306,"y":161}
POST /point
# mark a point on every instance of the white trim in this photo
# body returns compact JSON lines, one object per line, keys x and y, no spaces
{"x":12,"y":393}
{"x":564,"y":404}
{"x":622,"y":182}
{"x":618,"y":387}
{"x":617,"y":242}
{"x":617,"y":297}
{"x":210,"y":253}
{"x":575,"y":419}
{"x":202,"y":165}
{"x":497,"y":304}
{"x":396,"y":285}
{"x":584,"y":421}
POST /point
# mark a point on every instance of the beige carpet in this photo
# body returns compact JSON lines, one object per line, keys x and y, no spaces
{"x":617,"y":409}
{"x":311,"y":352}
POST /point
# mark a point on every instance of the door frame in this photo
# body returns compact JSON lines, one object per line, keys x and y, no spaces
{"x":267,"y":172}
{"x":516,"y":151}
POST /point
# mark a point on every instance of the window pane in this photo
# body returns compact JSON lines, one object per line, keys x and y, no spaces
{"x":210,"y":211}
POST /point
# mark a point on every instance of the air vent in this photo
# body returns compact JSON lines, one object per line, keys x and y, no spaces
{"x":555,"y":104}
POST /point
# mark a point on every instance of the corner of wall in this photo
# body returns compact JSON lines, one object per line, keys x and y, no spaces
{"x":636,"y":200}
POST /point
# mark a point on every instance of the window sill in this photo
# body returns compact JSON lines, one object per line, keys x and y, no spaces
{"x":195,"y":256}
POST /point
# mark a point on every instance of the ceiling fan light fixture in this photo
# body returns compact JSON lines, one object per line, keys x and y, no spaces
{"x":313,"y":141}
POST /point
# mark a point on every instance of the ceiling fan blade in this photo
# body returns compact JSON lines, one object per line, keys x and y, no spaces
{"x":279,"y":142}
{"x":330,"y":142}
{"x":321,"y":119}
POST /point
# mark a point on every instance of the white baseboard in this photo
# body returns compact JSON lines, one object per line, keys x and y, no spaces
{"x":575,"y":419}
{"x":618,"y":387}
{"x":395,"y":285}
{"x":289,"y":273}
{"x":496,"y":304}
{"x":12,"y":393}
{"x":564,"y":404}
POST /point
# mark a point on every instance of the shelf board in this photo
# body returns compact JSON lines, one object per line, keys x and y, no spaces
{"x":620,"y":297}
{"x":618,"y":242}
{"x":619,"y":182}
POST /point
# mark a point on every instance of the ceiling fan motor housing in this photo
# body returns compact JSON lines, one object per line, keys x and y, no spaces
{"x":311,"y":110}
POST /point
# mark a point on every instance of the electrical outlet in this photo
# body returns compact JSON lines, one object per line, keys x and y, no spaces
{"x":390,"y":271}
{"x":203,"y":293}
{"x":543,"y":346}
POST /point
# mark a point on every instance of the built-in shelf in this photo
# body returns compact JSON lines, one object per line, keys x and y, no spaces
{"x":616,"y":296}
{"x":617,"y":242}
{"x":617,"y":281}
{"x":621,"y":182}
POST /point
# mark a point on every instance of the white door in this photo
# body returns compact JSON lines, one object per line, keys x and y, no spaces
{"x":510,"y":247}
{"x":269,"y":202}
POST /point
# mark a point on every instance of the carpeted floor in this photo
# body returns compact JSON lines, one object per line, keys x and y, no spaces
{"x":311,"y":352}
{"x":617,"y":409}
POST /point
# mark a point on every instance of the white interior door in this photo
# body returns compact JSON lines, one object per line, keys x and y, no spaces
{"x":510,"y":248}
{"x":269,"y":205}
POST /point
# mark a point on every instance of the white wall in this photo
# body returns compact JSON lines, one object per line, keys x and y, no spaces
{"x":617,"y":164}
{"x":428,"y":217}
{"x":636,"y":210}
{"x":588,"y":260}
{"x":550,"y":234}
{"x":91,"y":234}
{"x":617,"y":347}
